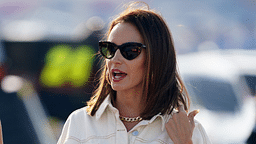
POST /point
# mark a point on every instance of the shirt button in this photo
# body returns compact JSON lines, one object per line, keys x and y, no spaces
{"x":135,"y":133}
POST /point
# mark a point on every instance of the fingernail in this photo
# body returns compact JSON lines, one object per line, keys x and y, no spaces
{"x":197,"y":111}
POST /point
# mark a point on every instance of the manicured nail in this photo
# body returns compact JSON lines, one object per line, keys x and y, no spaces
{"x":197,"y":111}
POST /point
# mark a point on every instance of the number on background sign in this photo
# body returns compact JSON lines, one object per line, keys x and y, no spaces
{"x":67,"y":66}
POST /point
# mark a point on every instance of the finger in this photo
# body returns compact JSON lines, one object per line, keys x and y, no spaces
{"x":191,"y":116}
{"x":170,"y":123}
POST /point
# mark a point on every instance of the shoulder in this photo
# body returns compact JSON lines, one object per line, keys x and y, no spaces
{"x":199,"y":127}
{"x":79,"y":112}
{"x":79,"y":115}
{"x":75,"y":126}
{"x":69,"y":131}
{"x":78,"y":119}
{"x":199,"y":134}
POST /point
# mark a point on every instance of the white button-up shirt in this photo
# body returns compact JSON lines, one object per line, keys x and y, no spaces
{"x":105,"y":127}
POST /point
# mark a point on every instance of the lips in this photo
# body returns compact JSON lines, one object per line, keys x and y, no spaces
{"x":118,"y":75}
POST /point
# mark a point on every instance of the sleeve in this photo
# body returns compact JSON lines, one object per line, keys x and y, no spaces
{"x":199,"y":135}
{"x":67,"y":132}
{"x":64,"y":132}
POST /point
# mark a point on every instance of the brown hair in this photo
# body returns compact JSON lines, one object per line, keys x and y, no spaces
{"x":163,"y":88}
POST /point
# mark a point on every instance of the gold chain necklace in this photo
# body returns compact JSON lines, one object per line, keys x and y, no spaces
{"x":128,"y":119}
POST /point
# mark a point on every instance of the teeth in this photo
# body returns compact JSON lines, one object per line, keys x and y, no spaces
{"x":117,"y":77}
{"x":116,"y":74}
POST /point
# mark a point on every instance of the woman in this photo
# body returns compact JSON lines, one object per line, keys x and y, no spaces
{"x":140,"y":97}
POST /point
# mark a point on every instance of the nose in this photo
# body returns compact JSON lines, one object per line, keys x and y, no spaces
{"x":117,"y":57}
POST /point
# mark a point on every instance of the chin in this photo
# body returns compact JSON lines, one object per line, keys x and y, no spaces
{"x":118,"y":87}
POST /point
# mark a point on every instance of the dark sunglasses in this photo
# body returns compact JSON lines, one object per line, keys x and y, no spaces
{"x":129,"y":50}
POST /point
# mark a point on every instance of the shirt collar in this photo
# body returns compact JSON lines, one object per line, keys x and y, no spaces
{"x":107,"y":102}
{"x":103,"y":107}
{"x":162,"y":119}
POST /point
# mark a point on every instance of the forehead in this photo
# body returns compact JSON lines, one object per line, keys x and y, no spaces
{"x":124,"y":32}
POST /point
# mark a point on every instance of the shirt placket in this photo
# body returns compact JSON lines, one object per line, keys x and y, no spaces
{"x":121,"y":133}
{"x":133,"y":134}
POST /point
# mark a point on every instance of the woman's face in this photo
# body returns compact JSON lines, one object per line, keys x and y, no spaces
{"x":133,"y":69}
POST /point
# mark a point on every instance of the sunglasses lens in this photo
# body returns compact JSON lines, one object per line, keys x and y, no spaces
{"x":107,"y":50}
{"x":131,"y":51}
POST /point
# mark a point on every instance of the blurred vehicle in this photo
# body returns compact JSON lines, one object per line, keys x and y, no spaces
{"x":246,"y":61}
{"x":218,"y":88}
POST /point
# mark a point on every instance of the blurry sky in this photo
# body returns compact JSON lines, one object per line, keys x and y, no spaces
{"x":195,"y":25}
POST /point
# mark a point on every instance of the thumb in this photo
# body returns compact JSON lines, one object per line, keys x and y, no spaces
{"x":191,"y":116}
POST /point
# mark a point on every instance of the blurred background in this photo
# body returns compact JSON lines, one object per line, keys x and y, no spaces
{"x":48,"y":64}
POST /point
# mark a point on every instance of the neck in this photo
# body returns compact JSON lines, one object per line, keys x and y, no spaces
{"x":129,"y":104}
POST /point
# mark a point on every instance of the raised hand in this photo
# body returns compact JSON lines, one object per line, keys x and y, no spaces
{"x":180,"y":127}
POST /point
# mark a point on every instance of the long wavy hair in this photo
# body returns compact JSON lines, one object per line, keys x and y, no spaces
{"x":163,"y":88}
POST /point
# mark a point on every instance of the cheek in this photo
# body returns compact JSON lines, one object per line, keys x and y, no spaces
{"x":141,"y":68}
